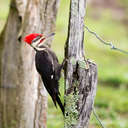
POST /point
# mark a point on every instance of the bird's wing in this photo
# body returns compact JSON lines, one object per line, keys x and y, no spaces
{"x":45,"y":67}
{"x":45,"y":64}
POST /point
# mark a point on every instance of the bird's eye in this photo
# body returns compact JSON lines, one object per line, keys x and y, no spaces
{"x":37,"y":38}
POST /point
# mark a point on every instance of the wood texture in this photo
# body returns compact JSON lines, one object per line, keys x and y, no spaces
{"x":80,"y":75}
{"x":23,"y":101}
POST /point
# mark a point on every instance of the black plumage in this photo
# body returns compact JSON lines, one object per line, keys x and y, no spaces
{"x":50,"y":70}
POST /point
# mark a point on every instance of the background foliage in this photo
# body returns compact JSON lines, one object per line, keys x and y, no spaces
{"x":110,"y":20}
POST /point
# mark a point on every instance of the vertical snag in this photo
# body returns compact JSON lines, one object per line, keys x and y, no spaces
{"x":80,"y":75}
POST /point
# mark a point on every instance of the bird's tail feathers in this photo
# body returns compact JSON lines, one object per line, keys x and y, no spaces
{"x":60,"y":104}
{"x":54,"y":101}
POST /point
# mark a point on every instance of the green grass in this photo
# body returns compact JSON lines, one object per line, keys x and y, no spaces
{"x":112,"y":107}
{"x":111,"y":101}
{"x":112,"y":65}
{"x":4,"y":8}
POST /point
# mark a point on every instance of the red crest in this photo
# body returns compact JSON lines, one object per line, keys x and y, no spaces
{"x":30,"y":37}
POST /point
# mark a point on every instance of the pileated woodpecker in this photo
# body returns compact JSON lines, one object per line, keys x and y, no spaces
{"x":47,"y":65}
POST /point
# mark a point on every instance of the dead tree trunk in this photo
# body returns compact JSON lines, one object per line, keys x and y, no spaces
{"x":80,"y":75}
{"x":23,"y":101}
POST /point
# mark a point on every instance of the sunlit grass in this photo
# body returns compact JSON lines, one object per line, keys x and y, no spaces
{"x":4,"y":8}
{"x":112,"y":106}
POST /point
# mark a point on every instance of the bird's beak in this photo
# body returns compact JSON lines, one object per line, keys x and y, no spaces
{"x":50,"y":35}
{"x":44,"y":39}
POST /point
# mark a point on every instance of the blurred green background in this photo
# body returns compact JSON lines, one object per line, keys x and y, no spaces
{"x":108,"y":19}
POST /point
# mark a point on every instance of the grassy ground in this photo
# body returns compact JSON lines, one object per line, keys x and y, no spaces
{"x":111,"y":101}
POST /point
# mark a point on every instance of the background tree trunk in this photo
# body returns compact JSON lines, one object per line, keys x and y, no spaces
{"x":23,"y":101}
{"x":80,"y":75}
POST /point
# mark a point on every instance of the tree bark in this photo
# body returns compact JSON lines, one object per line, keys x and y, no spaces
{"x":80,"y":74}
{"x":23,"y":101}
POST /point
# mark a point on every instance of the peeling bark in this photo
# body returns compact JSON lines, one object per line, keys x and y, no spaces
{"x":80,"y":74}
{"x":23,"y":101}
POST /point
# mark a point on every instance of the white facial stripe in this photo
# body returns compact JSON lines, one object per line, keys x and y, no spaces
{"x":36,"y":44}
{"x":40,"y":49}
